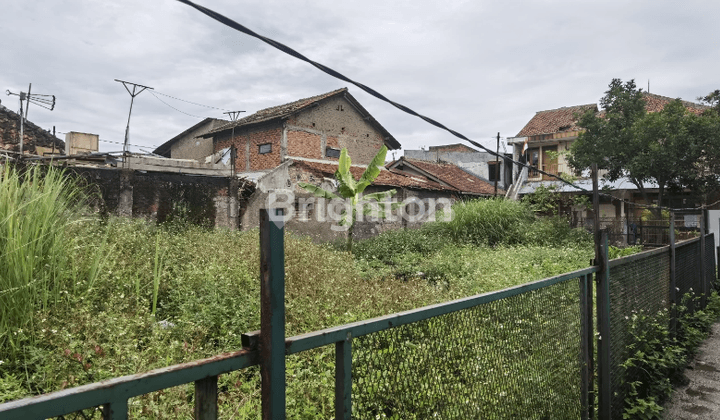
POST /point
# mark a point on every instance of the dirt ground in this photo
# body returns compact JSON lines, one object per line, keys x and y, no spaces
{"x":700,"y":399}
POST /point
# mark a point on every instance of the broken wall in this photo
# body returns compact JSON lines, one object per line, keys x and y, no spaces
{"x":159,"y":196}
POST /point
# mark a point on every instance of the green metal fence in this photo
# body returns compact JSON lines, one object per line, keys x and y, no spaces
{"x":523,"y":352}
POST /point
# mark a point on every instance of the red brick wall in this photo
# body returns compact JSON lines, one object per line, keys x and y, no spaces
{"x":256,"y":137}
{"x":304,"y":144}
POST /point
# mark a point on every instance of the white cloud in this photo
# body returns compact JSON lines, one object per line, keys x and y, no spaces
{"x":477,"y":66}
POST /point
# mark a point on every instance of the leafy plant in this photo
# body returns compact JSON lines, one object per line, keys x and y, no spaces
{"x":353,"y":190}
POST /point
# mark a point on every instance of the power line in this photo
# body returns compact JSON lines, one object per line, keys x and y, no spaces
{"x":182,"y":112}
{"x":118,"y":142}
{"x":238,"y":27}
{"x":194,"y":103}
{"x":287,"y":50}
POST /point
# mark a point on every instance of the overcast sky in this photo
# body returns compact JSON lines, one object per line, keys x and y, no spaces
{"x":479,"y":67}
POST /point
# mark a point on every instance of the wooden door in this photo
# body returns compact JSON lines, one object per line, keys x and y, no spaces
{"x":549,"y":161}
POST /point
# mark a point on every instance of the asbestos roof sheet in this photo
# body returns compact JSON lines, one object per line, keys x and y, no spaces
{"x":451,"y":174}
{"x":586,"y":184}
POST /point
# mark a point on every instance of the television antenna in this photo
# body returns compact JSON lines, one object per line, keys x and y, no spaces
{"x":43,"y":101}
{"x":135,"y":92}
{"x":233,"y":153}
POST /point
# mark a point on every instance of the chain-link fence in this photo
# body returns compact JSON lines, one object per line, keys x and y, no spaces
{"x":87,"y":414}
{"x":524,"y":352}
{"x":688,"y":268}
{"x":624,"y":231}
{"x":517,"y":357}
{"x":637,"y":285}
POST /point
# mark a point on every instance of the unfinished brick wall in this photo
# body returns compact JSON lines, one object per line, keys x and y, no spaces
{"x":307,"y":144}
{"x":247,"y":142}
{"x":342,"y":126}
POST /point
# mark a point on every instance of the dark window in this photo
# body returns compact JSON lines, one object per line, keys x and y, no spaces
{"x":332,"y":153}
{"x":265,"y":148}
{"x":494,"y":171}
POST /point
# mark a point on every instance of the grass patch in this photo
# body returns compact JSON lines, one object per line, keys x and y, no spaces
{"x":128,"y":296}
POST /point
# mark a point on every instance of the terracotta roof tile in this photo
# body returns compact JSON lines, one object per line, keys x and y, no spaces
{"x":281,"y":111}
{"x":453,"y":175}
{"x":278,"y":111}
{"x":386,"y":178}
{"x":563,"y":119}
{"x":655,"y":103}
{"x":554,"y":120}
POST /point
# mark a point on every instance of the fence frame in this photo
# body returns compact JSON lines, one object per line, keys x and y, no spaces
{"x":270,"y":349}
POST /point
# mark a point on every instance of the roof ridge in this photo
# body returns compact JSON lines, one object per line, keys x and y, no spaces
{"x":670,"y":99}
{"x":566,"y":107}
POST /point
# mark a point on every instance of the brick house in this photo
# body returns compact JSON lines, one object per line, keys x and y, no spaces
{"x":37,"y":141}
{"x":278,"y":147}
{"x":312,"y":128}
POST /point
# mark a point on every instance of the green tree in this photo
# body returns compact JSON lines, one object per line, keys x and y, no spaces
{"x":351,"y":189}
{"x":673,"y":148}
{"x":712,"y":100}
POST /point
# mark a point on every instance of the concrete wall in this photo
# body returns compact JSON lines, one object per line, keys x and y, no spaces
{"x":475,"y":162}
{"x":158,"y":196}
{"x":76,"y":143}
{"x":312,"y":219}
{"x":189,"y":146}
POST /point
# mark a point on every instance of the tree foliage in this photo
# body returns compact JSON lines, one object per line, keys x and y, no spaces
{"x":672,"y":148}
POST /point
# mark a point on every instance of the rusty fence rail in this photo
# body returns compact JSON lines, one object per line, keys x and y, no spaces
{"x":563,"y":331}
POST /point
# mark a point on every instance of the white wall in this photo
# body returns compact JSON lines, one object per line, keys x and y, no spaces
{"x":714,"y":225}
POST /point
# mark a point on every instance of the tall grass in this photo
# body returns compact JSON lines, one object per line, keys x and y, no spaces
{"x":35,"y":208}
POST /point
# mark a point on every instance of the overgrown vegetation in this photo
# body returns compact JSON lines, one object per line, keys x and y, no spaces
{"x":126,"y":296}
{"x":658,"y":358}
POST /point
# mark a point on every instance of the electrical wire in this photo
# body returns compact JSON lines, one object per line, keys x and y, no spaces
{"x":287,"y":50}
{"x":117,"y":142}
{"x":182,"y":112}
{"x":194,"y":103}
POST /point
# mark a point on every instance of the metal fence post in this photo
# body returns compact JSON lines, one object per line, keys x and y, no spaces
{"x":673,"y":283}
{"x":343,"y":379}
{"x":587,"y":329}
{"x":116,"y":410}
{"x":206,"y":398}
{"x":704,"y":289}
{"x":272,"y":313}
{"x":603,"y":316}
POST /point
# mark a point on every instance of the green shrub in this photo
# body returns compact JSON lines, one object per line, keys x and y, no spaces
{"x":37,"y":208}
{"x":657,"y":359}
{"x":616,"y":252}
{"x":487,"y":222}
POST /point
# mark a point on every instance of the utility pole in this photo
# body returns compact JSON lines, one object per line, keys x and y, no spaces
{"x":39,"y":100}
{"x":233,"y":154}
{"x":133,"y":94}
{"x":497,"y":164}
